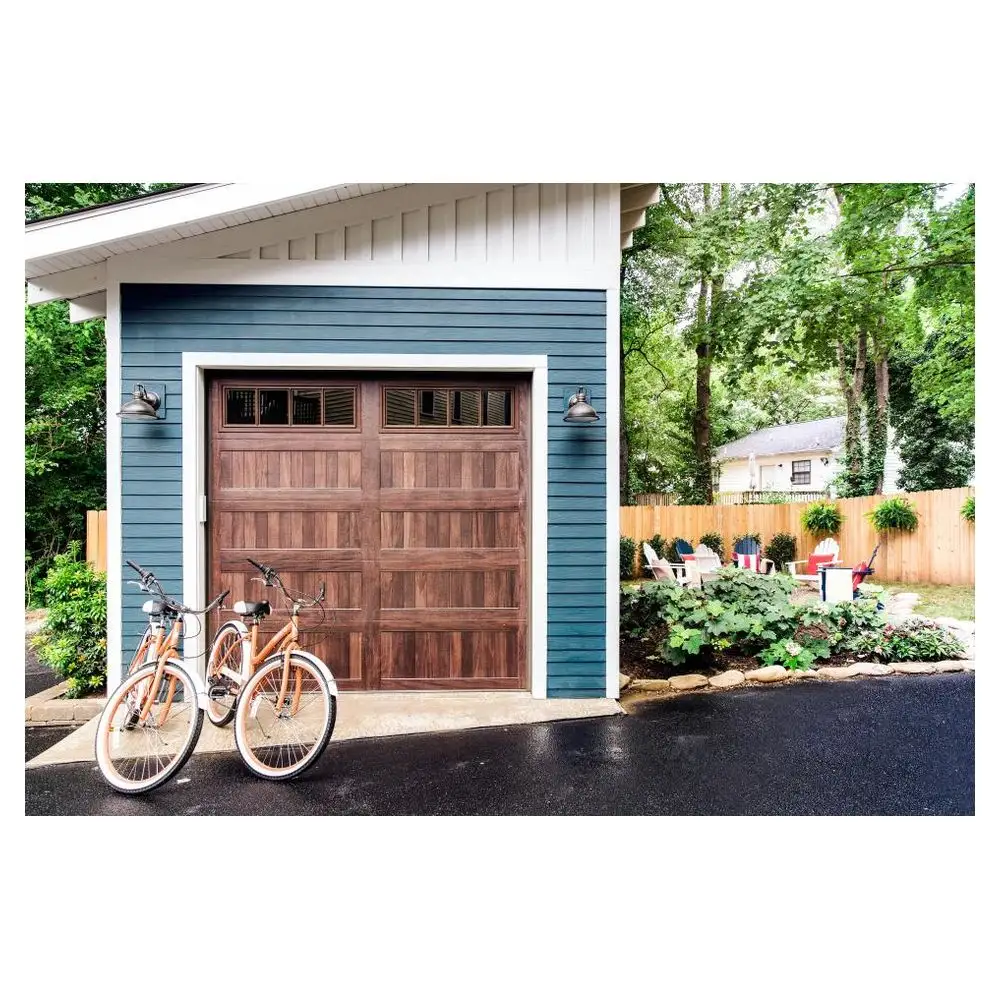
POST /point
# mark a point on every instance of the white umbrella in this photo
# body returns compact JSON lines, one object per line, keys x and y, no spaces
{"x":752,"y":461}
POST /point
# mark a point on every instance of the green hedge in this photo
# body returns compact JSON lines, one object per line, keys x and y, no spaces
{"x":74,"y":641}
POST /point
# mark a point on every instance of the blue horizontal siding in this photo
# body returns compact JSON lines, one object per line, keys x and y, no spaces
{"x":567,"y":326}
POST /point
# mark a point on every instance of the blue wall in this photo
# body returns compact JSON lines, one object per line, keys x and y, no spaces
{"x":160,"y":321}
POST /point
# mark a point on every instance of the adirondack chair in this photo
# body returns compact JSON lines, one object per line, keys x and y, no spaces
{"x":704,"y":566}
{"x":663,"y":570}
{"x":747,"y":554}
{"x":827,"y":553}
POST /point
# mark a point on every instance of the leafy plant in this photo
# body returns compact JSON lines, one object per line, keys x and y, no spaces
{"x":74,"y":640}
{"x":893,"y":514}
{"x":626,"y":557}
{"x":781,"y":550}
{"x":714,"y":541}
{"x":789,"y":654}
{"x":822,"y":517}
{"x":913,"y":639}
{"x":968,"y":509}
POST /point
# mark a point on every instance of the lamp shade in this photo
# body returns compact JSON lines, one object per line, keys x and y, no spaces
{"x":579,"y":410}
{"x":142,"y":406}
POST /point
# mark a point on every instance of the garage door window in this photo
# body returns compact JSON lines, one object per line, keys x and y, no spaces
{"x":292,"y":407}
{"x":447,"y":408}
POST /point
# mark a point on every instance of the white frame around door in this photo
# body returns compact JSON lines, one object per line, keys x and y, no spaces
{"x":194,"y":444}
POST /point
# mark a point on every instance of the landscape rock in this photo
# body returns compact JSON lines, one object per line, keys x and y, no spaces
{"x":650,"y":684}
{"x":840,"y":673}
{"x":915,"y":667}
{"x":727,"y":680}
{"x":948,"y":666}
{"x":969,"y":665}
{"x":874,"y":669}
{"x":767,"y":674}
{"x":623,"y":681}
{"x":957,"y":624}
{"x":687,"y":682}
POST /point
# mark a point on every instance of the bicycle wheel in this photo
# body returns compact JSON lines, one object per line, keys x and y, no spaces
{"x":142,"y":651}
{"x":144,"y":736}
{"x":282,"y":732}
{"x":227,"y":652}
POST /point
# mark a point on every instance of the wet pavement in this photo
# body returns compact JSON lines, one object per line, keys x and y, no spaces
{"x":869,"y":746}
{"x":39,"y":738}
{"x":36,"y":676}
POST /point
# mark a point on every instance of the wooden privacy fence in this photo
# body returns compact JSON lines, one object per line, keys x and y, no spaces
{"x":941,"y":550}
{"x":97,"y":540}
{"x":744,"y":496}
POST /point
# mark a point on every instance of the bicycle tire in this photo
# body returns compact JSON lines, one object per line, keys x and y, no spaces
{"x":117,"y":743}
{"x":220,"y":710}
{"x":264,"y":750}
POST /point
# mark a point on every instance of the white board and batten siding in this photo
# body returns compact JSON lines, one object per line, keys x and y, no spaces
{"x":427,"y":224}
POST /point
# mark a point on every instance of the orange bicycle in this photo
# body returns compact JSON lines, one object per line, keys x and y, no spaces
{"x":284,"y":699}
{"x":151,"y":722}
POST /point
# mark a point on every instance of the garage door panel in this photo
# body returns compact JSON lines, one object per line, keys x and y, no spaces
{"x":449,"y":470}
{"x":281,"y":468}
{"x":397,"y":560}
{"x":245,"y":530}
{"x":455,"y":589}
{"x":436,"y":529}
{"x":444,"y":656}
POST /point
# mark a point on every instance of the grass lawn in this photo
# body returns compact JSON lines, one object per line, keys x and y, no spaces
{"x":939,"y":599}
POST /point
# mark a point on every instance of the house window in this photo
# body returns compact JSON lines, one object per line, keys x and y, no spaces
{"x":451,"y":408}
{"x":801,"y":472}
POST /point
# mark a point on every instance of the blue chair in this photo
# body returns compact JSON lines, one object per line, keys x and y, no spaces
{"x":749,"y":547}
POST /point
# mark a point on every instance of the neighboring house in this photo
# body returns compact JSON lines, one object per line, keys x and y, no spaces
{"x":794,"y":458}
{"x":365,"y":384}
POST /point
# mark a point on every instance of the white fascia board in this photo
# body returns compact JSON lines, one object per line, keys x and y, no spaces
{"x":88,"y":307}
{"x":70,"y":284}
{"x":78,"y":232}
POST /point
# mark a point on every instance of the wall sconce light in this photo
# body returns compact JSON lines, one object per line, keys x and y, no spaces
{"x":578,"y":408}
{"x":825,"y":461}
{"x":143,"y":405}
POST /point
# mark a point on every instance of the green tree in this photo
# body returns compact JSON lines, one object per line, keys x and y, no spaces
{"x":64,"y":398}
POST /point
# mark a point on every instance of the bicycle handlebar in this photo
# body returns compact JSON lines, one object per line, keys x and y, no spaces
{"x":271,"y":579}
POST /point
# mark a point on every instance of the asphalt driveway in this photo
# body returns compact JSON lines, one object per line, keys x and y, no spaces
{"x":869,"y":746}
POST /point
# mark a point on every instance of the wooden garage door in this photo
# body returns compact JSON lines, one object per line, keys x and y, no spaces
{"x":407,"y":497}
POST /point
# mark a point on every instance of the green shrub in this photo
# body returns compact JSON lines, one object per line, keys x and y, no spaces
{"x":789,"y":654}
{"x":893,"y":514}
{"x":968,"y":509}
{"x":74,"y":640}
{"x":781,"y":550}
{"x":714,"y":541}
{"x":822,"y":517}
{"x":914,"y":639}
{"x":749,"y":590}
{"x":626,"y":557}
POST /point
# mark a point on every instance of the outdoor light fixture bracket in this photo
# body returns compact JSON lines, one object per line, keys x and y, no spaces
{"x":578,"y":408}
{"x":147,"y":402}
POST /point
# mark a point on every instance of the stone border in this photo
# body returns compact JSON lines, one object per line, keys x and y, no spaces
{"x":683,"y":683}
{"x":49,"y":708}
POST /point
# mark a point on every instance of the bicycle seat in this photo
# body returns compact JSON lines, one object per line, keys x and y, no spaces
{"x":154,"y":608}
{"x":252,"y":608}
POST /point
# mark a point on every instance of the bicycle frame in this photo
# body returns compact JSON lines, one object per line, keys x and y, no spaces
{"x":167,"y":649}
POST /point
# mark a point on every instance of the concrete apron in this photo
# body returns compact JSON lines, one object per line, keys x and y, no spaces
{"x":365,"y":714}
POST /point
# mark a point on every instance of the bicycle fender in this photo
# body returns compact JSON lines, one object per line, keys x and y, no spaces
{"x":316,"y":662}
{"x":197,"y":682}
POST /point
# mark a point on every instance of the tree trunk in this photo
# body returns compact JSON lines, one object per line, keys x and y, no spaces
{"x":852,"y":386}
{"x":624,"y":451}
{"x":703,"y":403}
{"x":878,"y":434}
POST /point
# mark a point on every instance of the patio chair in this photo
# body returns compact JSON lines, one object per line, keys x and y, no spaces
{"x":827,"y":553}
{"x":747,"y":555}
{"x":663,"y":570}
{"x":703,"y":566}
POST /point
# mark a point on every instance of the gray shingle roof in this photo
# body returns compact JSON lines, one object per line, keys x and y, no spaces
{"x":813,"y":435}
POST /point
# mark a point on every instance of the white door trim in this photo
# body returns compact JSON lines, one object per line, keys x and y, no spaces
{"x":194,"y":364}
